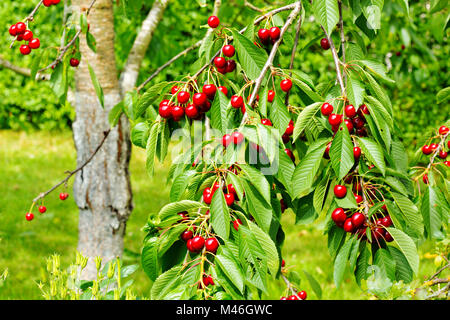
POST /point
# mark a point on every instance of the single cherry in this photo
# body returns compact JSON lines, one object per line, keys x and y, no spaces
{"x":220,"y":62}
{"x":286,"y":85}
{"x":266,"y":122}
{"x":229,"y":198}
{"x":339,"y":216}
{"x":226,"y":140}
{"x":209,"y":90}
{"x":237,"y":137}
{"x":348,"y":225}
{"x":358,"y":219}
{"x":356,"y":153}
{"x":74,"y":62}
{"x":211,"y":245}
{"x":340,"y":191}
{"x":34,"y":43}
{"x":236,"y":224}
{"x":42,"y":209}
{"x":325,"y":44}
{"x":29,"y":216}
{"x":326,"y":109}
{"x":213,"y":21}
{"x":350,"y":111}
{"x":186,"y":235}
{"x":237,"y":101}
{"x":275,"y":33}
{"x":228,"y":50}
{"x":270,"y":95}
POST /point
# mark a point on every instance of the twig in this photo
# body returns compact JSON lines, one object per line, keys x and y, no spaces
{"x":31,"y":15}
{"x":439,"y":292}
{"x":341,"y":29}
{"x":71,"y":173}
{"x":438,"y":272}
{"x":337,"y":62}
{"x":294,"y":49}
{"x":365,"y":202}
{"x":252,"y":6}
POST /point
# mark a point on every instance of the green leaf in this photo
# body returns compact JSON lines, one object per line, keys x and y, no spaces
{"x":165,"y":283}
{"x":148,"y":98}
{"x":409,"y":209}
{"x":407,"y":247}
{"x":258,"y":207}
{"x":151,"y":148}
{"x":314,"y":284}
{"x":341,"y":262}
{"x":355,"y":91}
{"x":304,"y":118}
{"x":362,"y":263}
{"x":430,"y":208}
{"x":115,"y":113}
{"x":252,"y":58}
{"x":279,"y":114}
{"x":91,"y":42}
{"x":139,"y":134}
{"x":373,"y":152}
{"x":385,"y":262}
{"x":402,"y":269}
{"x":149,"y":258}
{"x":220,"y":215}
{"x":273,"y":261}
{"x":219,"y":112}
{"x":97,"y":86}
{"x":443,"y":95}
{"x":257,"y":180}
{"x":327,"y":14}
{"x":83,"y":23}
{"x":173,"y":208}
{"x":230,"y":267}
{"x":341,"y":152}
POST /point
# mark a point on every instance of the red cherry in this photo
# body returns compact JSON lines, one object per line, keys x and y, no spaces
{"x":350,"y":111}
{"x":349,"y":125}
{"x":197,"y":243}
{"x":338,"y":216}
{"x":237,"y":137}
{"x":270,"y":95}
{"x":358,"y":123}
{"x":434,"y":146}
{"x":283,"y":263}
{"x":378,"y":233}
{"x":326,"y":109}
{"x":177,"y":112}
{"x":266,"y":122}
{"x":198,"y":99}
{"x":189,"y":245}
{"x":443,"y":154}
{"x":325,"y":44}
{"x":358,"y":219}
{"x":386,"y":221}
{"x":426,"y":149}
{"x":191,"y":111}
{"x":74,"y":62}
{"x":20,"y":27}
{"x":443,"y":130}
{"x":236,"y":224}
{"x":348,"y":225}
{"x":25,"y":49}
{"x":165,"y":109}
{"x":42,"y":209}
{"x":63,"y":196}
{"x":283,"y":205}
{"x":183,"y":97}
{"x":13,"y":30}
{"x":230,"y":66}
{"x":205,"y":107}
{"x":220,"y":62}
{"x":213,"y":21}
{"x":223,"y":89}
{"x":174,"y":89}
{"x":302,"y":295}
{"x":229,"y":199}
{"x":362,"y":110}
{"x":29,"y":216}
{"x":388,"y":237}
{"x":334,"y":119}
{"x":34,"y":43}
{"x":358,"y":198}
{"x":207,"y":195}
{"x":215,"y":186}
{"x":290,"y":154}
{"x":209,"y":90}
{"x":231,"y":189}
{"x":237,"y":101}
{"x":447,"y":163}
{"x":356,"y":152}
{"x":211,"y":245}
{"x":226,"y":140}
{"x":184,"y":215}
{"x":186,"y":235}
{"x":425,"y":178}
{"x":340,"y":191}
{"x":361,"y":132}
{"x":27,"y":35}
{"x":384,"y":208}
{"x":293,"y":297}
{"x":289,"y":130}
{"x":56,"y":1}
{"x":275,"y":33}
{"x":47,"y":3}
{"x":228,"y":50}
{"x":264,"y":35}
{"x":286,"y":85}
{"x":326,"y":154}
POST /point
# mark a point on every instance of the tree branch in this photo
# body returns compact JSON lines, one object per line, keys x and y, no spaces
{"x":294,"y":49}
{"x":337,"y":62}
{"x":130,"y":73}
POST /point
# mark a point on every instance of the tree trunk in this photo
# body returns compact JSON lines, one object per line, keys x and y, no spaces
{"x":102,"y":190}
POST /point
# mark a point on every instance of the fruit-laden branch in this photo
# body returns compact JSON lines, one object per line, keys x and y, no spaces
{"x":295,"y":12}
{"x":294,"y":50}
{"x":137,"y":53}
{"x":438,"y":149}
{"x":197,"y":44}
{"x":29,"y":18}
{"x":71,"y":173}
{"x":70,"y":44}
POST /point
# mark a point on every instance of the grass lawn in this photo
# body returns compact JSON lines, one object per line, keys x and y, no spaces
{"x":32,"y":163}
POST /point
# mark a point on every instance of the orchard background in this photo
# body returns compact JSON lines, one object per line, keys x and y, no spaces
{"x":37,"y":146}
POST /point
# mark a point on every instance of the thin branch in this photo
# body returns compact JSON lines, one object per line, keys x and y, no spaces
{"x":252,"y":6}
{"x":438,"y":293}
{"x":22,"y":71}
{"x":294,"y":49}
{"x":31,"y":15}
{"x":337,"y":62}
{"x":438,"y":272}
{"x":341,"y":29}
{"x":71,"y":173}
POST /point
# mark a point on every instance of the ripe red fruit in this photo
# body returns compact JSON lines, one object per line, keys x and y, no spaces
{"x":358,"y":198}
{"x":211,"y":245}
{"x":326,"y":109}
{"x":20,"y":28}
{"x":74,"y":62}
{"x":358,"y":219}
{"x":443,"y":154}
{"x":198,"y":99}
{"x":27,"y":35}
{"x":226,"y":140}
{"x":63,"y":196}
{"x":302,"y":295}
{"x":25,"y":49}
{"x":207,"y":195}
{"x":362,"y":110}
{"x":191,"y":111}
{"x":174,"y":89}
{"x":34,"y":43}
{"x":286,"y":85}
{"x":283,"y":263}
{"x":358,"y":123}
{"x":237,"y":137}
{"x":42,"y":209}
{"x":237,"y":101}
{"x":325,"y":44}
{"x":223,"y":89}
{"x":47,"y":3}
{"x":165,"y":109}
{"x":361,"y":132}
{"x":236,"y":224}
{"x":13,"y":30}
{"x":443,"y":130}
{"x":230,"y":66}
{"x":184,"y":215}
{"x":183,"y":97}
{"x":275,"y":33}
{"x":356,"y":152}
{"x":340,"y":191}
{"x":189,"y":245}
{"x":378,"y":233}
{"x":386,"y":221}
{"x":229,"y":198}
{"x":264,"y":35}
{"x":388,"y":237}
{"x":425,"y":178}
{"x":283,"y":205}
{"x":326,"y":154}
{"x":228,"y":50}
{"x":215,"y":186}
{"x":338,"y":216}
{"x":29,"y":216}
{"x":293,"y":297}
{"x":289,"y":130}
{"x":270,"y":95}
{"x":290,"y":154}
{"x":348,"y":225}
{"x":209,"y":90}
{"x":433,"y":146}
{"x":426,"y":149}
{"x":384,"y":208}
{"x":220,"y":62}
{"x":349,"y":125}
{"x":266,"y":122}
{"x":205,"y":107}
{"x":213,"y":21}
{"x":334,"y":119}
{"x":350,"y":111}
{"x":231,"y":189}
{"x":447,"y":163}
{"x":177,"y":112}
{"x":197,"y":243}
{"x":186,"y":235}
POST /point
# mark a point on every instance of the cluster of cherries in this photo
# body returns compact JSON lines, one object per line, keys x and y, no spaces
{"x":269,"y":35}
{"x":42,"y":209}
{"x":432,"y":148}
{"x":286,"y":137}
{"x":49,"y":3}
{"x":20,"y":31}
{"x":355,"y":119}
{"x":301,"y":295}
{"x":229,"y":191}
{"x":222,"y":64}
{"x":357,"y":222}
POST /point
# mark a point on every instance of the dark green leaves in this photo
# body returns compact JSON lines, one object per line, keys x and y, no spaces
{"x":219,"y":112}
{"x":220,"y":215}
{"x":327,"y":14}
{"x":373,"y":152}
{"x":341,"y":152}
{"x":97,"y":86}
{"x":407,"y":247}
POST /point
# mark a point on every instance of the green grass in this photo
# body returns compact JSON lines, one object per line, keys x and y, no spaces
{"x":32,"y":163}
